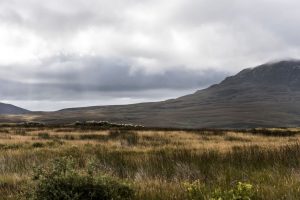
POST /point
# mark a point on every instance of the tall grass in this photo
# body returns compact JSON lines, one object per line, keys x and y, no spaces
{"x":160,"y":163}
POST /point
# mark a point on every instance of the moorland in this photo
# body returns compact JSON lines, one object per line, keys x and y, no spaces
{"x":45,"y":162}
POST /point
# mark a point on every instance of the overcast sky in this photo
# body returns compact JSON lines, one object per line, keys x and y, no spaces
{"x":65,"y":53}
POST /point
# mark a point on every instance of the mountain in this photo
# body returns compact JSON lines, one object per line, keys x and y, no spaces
{"x":264,"y":96}
{"x":11,"y":109}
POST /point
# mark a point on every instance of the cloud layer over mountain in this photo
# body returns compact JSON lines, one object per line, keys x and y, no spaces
{"x":123,"y":51}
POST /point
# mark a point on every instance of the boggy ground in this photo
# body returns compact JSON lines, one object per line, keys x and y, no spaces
{"x":159,"y":164}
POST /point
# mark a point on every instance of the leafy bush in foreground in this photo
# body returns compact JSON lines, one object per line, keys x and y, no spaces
{"x":242,"y":191}
{"x":60,"y":181}
{"x":196,"y":191}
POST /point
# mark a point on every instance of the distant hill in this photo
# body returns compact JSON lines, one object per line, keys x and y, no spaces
{"x":11,"y":109}
{"x":264,"y":96}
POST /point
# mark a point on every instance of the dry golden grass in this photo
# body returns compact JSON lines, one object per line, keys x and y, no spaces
{"x":153,"y":140}
{"x":157,"y":162}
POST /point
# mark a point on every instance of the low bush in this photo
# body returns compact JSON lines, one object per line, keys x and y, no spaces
{"x":10,"y":146}
{"x":269,"y":132}
{"x":38,"y":145}
{"x":60,"y":181}
{"x":241,"y":191}
{"x":44,"y":135}
{"x":56,"y":142}
{"x":196,"y":190}
{"x":92,"y":137}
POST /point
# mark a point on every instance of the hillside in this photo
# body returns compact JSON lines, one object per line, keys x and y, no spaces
{"x":11,"y":109}
{"x":264,"y":96}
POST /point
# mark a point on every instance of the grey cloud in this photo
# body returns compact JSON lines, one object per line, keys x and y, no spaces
{"x":62,"y":18}
{"x":279,"y":18}
{"x":136,"y":49}
{"x":73,"y":76}
{"x":70,"y":16}
{"x":250,"y":31}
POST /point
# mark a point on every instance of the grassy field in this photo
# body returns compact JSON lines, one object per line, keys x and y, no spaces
{"x":160,"y":164}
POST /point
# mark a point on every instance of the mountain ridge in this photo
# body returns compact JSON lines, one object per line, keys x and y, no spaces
{"x":265,"y":96}
{"x":11,"y":109}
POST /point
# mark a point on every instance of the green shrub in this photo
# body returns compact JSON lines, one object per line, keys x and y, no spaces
{"x":60,"y":181}
{"x":10,"y":146}
{"x":55,"y":142}
{"x":242,"y":191}
{"x":44,"y":135}
{"x":38,"y":145}
{"x":195,"y":190}
{"x":198,"y":191}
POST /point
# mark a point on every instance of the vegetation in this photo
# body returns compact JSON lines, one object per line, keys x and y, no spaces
{"x":60,"y":181}
{"x":162,"y":164}
{"x":242,"y":191}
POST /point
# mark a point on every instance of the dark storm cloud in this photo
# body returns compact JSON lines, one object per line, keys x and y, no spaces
{"x":98,"y":75}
